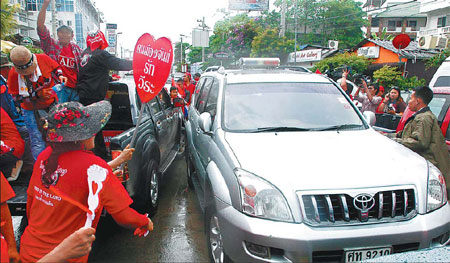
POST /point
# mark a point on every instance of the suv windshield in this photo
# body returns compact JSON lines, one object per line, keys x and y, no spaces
{"x":287,"y":107}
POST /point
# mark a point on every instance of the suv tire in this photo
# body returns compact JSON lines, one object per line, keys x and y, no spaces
{"x":214,"y":239}
{"x":152,"y":188}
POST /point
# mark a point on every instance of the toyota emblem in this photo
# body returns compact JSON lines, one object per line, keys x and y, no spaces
{"x":363,"y":202}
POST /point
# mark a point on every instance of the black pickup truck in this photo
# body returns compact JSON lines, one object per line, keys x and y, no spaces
{"x":159,"y":141}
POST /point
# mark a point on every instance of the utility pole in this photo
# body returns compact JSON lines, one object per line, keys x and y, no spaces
{"x":54,"y":18}
{"x":181,"y":51}
{"x":283,"y":19}
{"x":295,"y":33}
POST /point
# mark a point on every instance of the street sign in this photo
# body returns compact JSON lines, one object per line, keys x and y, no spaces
{"x":111,"y":26}
{"x":200,"y":38}
{"x":221,"y":55}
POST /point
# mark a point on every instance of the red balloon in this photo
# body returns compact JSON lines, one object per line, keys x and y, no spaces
{"x":152,"y":61}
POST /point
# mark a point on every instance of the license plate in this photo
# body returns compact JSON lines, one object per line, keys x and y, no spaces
{"x":364,"y":254}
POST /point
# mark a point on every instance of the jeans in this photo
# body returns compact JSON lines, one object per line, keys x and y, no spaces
{"x":65,"y":94}
{"x":36,"y":141}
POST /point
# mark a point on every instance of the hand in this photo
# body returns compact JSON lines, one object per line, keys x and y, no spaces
{"x":13,"y":255}
{"x":46,"y":1}
{"x":143,"y":230}
{"x":76,"y":245}
{"x":126,"y":154}
{"x":386,"y":98}
{"x":345,"y":73}
{"x":118,"y":172}
{"x":63,"y":79}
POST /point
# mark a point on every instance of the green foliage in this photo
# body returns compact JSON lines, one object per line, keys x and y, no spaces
{"x":387,"y":76}
{"x":8,"y":23}
{"x":382,"y":36}
{"x":269,"y":44}
{"x":437,"y":59}
{"x":34,"y":50}
{"x":410,"y":83}
{"x":319,"y":21}
{"x":359,"y":64}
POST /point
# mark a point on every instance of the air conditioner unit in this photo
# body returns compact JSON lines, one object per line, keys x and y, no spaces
{"x":442,"y":43}
{"x":333,"y":44}
{"x":427,"y":42}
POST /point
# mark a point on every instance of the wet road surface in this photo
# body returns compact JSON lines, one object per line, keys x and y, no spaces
{"x":178,"y":234}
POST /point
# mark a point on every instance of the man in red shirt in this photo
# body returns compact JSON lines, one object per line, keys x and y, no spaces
{"x":31,"y":81}
{"x":64,"y":51}
{"x":188,"y":87}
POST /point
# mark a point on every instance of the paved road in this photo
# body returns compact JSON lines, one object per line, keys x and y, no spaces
{"x":178,"y":235}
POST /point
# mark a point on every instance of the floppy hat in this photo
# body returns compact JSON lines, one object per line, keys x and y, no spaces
{"x":71,"y":121}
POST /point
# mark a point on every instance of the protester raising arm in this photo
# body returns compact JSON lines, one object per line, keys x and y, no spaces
{"x":41,"y":16}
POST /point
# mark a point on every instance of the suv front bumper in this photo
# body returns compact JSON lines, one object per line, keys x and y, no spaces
{"x":299,"y":242}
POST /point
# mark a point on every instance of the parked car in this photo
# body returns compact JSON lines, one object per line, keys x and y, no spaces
{"x":159,"y":140}
{"x":270,"y":156}
{"x":441,"y":77}
{"x":440,"y":106}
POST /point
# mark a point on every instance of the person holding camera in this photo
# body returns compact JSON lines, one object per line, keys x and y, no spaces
{"x":369,"y":99}
{"x":393,"y":103}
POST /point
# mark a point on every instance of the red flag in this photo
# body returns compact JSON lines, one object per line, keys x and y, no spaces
{"x":318,"y":71}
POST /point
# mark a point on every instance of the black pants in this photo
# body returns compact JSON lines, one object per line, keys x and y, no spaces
{"x":100,"y":146}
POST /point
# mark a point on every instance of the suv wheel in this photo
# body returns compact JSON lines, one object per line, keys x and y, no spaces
{"x":152,"y":188}
{"x":214,"y":238}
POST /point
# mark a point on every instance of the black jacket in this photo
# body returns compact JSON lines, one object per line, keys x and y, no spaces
{"x":93,"y":77}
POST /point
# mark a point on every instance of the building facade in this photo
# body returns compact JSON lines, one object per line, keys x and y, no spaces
{"x":436,"y":33}
{"x":81,"y":15}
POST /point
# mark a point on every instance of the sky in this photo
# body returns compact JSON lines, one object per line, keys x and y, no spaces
{"x":161,"y":18}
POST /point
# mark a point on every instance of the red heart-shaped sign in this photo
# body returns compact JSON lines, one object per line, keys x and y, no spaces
{"x":152,"y":61}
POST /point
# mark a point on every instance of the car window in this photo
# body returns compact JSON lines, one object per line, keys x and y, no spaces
{"x":198,"y":87}
{"x":164,"y":99}
{"x":203,"y":95}
{"x":153,"y":106}
{"x":252,"y":106}
{"x":442,"y":81}
{"x":211,"y":103}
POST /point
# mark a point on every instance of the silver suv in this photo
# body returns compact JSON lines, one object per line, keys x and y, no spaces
{"x":271,"y":156}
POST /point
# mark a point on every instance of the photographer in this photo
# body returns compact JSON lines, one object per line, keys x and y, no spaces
{"x":369,"y":99}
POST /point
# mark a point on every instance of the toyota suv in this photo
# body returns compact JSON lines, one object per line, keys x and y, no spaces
{"x":270,"y":155}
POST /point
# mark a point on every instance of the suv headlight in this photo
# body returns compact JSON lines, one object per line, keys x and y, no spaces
{"x":436,"y":192}
{"x":261,"y":199}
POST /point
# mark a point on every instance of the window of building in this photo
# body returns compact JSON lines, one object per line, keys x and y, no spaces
{"x":60,"y":23}
{"x":375,"y":22}
{"x":64,"y":5}
{"x":69,"y":23}
{"x":391,"y":25}
{"x":442,"y":21}
{"x":398,"y":23}
{"x":79,"y":30}
{"x":35,"y":5}
{"x":412,"y":25}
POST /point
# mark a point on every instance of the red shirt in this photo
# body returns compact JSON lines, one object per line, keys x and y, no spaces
{"x":10,"y":137}
{"x":51,"y":218}
{"x":67,"y":62}
{"x":6,"y":194}
{"x":47,"y":66}
{"x":190,"y":88}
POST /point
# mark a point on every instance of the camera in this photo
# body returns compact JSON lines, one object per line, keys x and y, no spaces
{"x":358,"y":79}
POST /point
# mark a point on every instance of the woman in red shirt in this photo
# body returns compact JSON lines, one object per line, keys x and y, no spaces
{"x":67,"y":178}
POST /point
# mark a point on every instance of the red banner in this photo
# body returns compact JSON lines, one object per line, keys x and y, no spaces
{"x":152,"y":61}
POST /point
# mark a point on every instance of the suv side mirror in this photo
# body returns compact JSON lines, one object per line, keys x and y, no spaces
{"x":205,"y":122}
{"x":370,"y":117}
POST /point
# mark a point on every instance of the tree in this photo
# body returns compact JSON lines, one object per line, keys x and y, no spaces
{"x":177,"y":54}
{"x":8,"y":23}
{"x":437,"y":59}
{"x":269,"y":44}
{"x":388,"y":76}
{"x":321,"y":20}
{"x":382,"y":36}
{"x":358,"y":64}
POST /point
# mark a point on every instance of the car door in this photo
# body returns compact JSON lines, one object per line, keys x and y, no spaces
{"x":162,"y":127}
{"x":201,"y":96}
{"x":173,"y":118}
{"x":204,"y":140}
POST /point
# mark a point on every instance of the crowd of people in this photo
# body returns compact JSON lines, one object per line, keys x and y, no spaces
{"x":52,"y":106}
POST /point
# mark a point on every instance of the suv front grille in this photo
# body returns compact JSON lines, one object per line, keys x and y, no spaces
{"x":340,"y":209}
